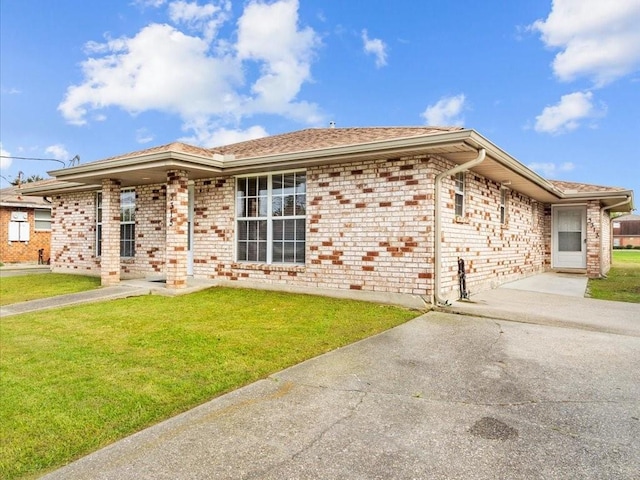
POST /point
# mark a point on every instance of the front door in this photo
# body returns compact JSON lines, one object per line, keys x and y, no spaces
{"x":569,"y":237}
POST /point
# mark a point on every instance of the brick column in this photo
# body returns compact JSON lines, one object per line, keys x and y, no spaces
{"x":177,"y":223}
{"x":594,"y":250}
{"x":110,"y":256}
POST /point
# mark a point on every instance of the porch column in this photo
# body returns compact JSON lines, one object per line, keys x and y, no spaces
{"x":177,"y":225}
{"x":594,"y":245}
{"x":110,"y":255}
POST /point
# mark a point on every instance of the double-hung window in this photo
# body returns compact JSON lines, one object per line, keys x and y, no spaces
{"x":42,"y":219}
{"x":503,"y":206}
{"x":459,"y":194}
{"x":127,"y":223}
{"x":271,"y":218}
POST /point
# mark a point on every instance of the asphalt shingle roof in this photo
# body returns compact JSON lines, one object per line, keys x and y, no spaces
{"x":318,"y":138}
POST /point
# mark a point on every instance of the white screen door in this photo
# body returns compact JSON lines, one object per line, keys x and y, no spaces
{"x":569,"y":237}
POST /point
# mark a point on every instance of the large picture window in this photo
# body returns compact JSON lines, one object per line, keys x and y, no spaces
{"x":127,"y":223}
{"x":271,"y":218}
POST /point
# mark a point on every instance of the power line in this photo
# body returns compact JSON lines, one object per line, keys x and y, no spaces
{"x":32,"y":158}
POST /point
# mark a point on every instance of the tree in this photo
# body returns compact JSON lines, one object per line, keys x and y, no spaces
{"x":31,"y":178}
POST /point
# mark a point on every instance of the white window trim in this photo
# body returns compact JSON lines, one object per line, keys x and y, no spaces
{"x":268,"y":218}
{"x":459,"y":192}
{"x":503,"y":206}
{"x":98,"y":247}
{"x":128,"y":222}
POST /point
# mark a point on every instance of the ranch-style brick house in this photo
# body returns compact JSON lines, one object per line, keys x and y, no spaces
{"x":370,"y":212}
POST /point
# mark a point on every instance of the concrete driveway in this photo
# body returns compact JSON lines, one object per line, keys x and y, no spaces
{"x":445,"y":396}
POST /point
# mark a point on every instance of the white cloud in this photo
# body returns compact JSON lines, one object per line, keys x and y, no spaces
{"x":201,"y":76}
{"x":10,"y":91}
{"x":376,"y":47}
{"x":211,"y":137}
{"x":598,"y":39}
{"x":269,"y":35}
{"x":549,"y":169}
{"x":160,"y":68}
{"x":143,"y":135}
{"x":150,"y":3}
{"x":4,"y":162}
{"x":446,"y":111}
{"x":567,"y":114}
{"x":57,"y":151}
{"x":206,"y":18}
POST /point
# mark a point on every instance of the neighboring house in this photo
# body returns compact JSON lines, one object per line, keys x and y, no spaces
{"x":25,"y":226}
{"x":379,"y":211}
{"x":626,"y":231}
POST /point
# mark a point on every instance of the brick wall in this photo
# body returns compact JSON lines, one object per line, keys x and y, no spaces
{"x":494,"y":253}
{"x":151,"y":201}
{"x":366,"y":229}
{"x":22,"y":252}
{"x":73,"y":234}
{"x":370,"y":227}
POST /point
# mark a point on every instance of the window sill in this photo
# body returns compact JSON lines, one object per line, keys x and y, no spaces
{"x":268,"y":267}
{"x":462,"y":220}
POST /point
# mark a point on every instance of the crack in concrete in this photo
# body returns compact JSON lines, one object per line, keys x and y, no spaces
{"x":314,"y":441}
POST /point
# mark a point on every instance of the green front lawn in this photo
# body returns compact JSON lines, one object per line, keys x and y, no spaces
{"x":32,"y":287}
{"x":623,"y":280}
{"x":76,"y":379}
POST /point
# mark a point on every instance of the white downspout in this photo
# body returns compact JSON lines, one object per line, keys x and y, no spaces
{"x":602,"y":210}
{"x":438,"y":221}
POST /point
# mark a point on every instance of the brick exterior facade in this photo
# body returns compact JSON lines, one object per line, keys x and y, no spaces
{"x":73,"y":234}
{"x":369,"y":227}
{"x":23,"y":252}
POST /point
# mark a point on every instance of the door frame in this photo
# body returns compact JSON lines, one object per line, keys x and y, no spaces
{"x":568,"y":261}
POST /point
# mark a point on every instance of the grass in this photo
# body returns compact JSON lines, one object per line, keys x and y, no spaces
{"x":31,"y":287}
{"x":79,"y":378}
{"x":623,"y":280}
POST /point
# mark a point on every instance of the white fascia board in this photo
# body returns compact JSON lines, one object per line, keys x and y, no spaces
{"x":47,"y":190}
{"x":157,"y":159}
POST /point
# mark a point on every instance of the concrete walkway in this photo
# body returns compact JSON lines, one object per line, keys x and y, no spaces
{"x":553,"y":299}
{"x":126,"y":288}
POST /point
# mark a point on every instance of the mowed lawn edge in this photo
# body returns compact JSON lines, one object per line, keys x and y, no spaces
{"x":22,"y":288}
{"x":77,"y":379}
{"x":623,"y":279}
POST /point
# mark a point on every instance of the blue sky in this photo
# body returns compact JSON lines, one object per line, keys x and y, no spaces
{"x":554,"y":83}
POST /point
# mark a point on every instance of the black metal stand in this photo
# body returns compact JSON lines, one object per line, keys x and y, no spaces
{"x":462,"y":279}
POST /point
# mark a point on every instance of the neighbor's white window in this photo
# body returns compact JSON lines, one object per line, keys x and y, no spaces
{"x":459,"y":194}
{"x":43,"y":219}
{"x":127,"y":223}
{"x":19,"y":227}
{"x":271,"y":218}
